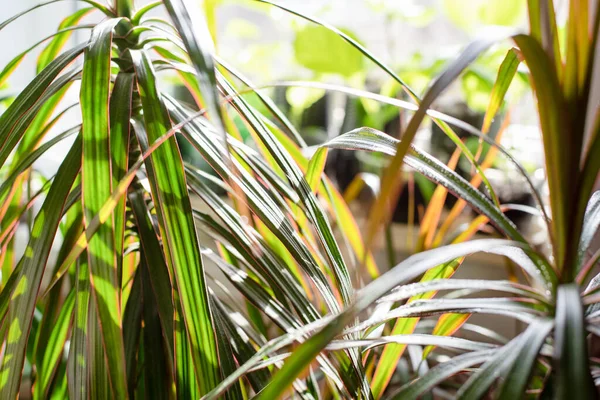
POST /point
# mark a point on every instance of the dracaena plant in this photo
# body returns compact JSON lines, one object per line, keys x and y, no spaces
{"x":551,"y":356}
{"x":271,"y":302}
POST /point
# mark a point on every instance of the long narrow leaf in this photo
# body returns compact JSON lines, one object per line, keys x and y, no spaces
{"x":515,"y":382}
{"x":415,"y":389}
{"x":177,"y":227}
{"x":591,"y":222}
{"x":558,"y":145}
{"x":54,"y":349}
{"x":32,"y":265}
{"x":191,"y":25}
{"x":408,"y":269}
{"x":97,"y":188}
{"x":372,"y":140}
{"x":570,"y":347}
{"x":119,"y":115}
{"x":21,"y":112}
{"x":77,"y":368}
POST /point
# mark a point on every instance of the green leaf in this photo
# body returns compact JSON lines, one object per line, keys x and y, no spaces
{"x":137,"y":17}
{"x":391,"y":183}
{"x":186,"y":382}
{"x":271,"y":106}
{"x":159,"y":279}
{"x":15,"y":120}
{"x":71,"y":228}
{"x":472,"y":285}
{"x":481,"y":380}
{"x":119,"y":116}
{"x":402,"y":273}
{"x":591,"y":222}
{"x":169,"y":191}
{"x":576,"y":57}
{"x":58,"y":42}
{"x":54,"y":348}
{"x":41,"y":124}
{"x":315,"y":168}
{"x":96,"y":5}
{"x":321,"y":50}
{"x":590,"y":169}
{"x":570,"y":345}
{"x":60,"y":388}
{"x":77,"y":364}
{"x":30,"y":271}
{"x":562,"y":158}
{"x":97,"y":189}
{"x":542,"y":23}
{"x":132,"y":327}
{"x":226,"y":353}
{"x":243,"y":350}
{"x":16,"y":61}
{"x":18,"y":167}
{"x":157,"y":373}
{"x":506,"y":73}
{"x":191,"y":26}
{"x":515,"y":381}
{"x":26,"y":148}
{"x":372,"y":140}
{"x":416,"y":388}
{"x":98,"y":378}
{"x":446,"y":325}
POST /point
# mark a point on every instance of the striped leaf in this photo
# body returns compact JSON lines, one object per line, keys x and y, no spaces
{"x":30,"y":271}
{"x":54,"y":348}
{"x":97,"y":181}
{"x":22,"y":111}
{"x":119,"y":115}
{"x":167,"y":180}
{"x":193,"y":29}
{"x":77,"y":365}
{"x":570,"y":347}
{"x":403,"y":272}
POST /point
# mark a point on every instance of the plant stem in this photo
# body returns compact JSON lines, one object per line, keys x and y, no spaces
{"x":124,"y":8}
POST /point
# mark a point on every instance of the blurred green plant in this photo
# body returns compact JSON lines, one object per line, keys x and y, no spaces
{"x":323,"y":52}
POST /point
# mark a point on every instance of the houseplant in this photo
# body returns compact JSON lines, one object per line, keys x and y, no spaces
{"x":562,"y":90}
{"x":129,"y":290}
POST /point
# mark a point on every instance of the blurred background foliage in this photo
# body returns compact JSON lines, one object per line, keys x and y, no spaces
{"x":417,"y":39}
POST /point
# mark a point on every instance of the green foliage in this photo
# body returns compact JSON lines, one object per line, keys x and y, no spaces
{"x":318,"y":49}
{"x":256,"y":281}
{"x":469,"y":14}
